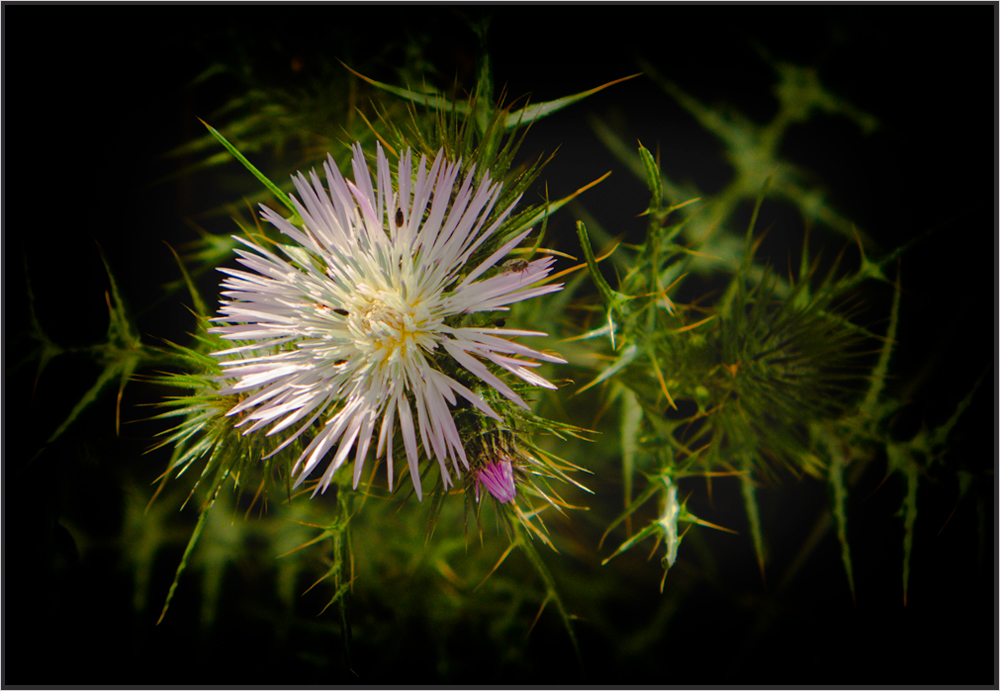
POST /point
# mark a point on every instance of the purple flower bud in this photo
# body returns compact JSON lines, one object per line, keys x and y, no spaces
{"x":498,"y":476}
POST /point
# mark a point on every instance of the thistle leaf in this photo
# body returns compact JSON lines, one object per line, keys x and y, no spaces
{"x":939,"y":435}
{"x":901,"y":459}
{"x":121,"y":355}
{"x":551,"y":594}
{"x":535,"y":112}
{"x":47,"y":348}
{"x":653,"y":180}
{"x":650,"y":529}
{"x":546,"y":211}
{"x":871,"y":403}
{"x":624,"y":360}
{"x":669,"y":514}
{"x":184,"y":559}
{"x":753,"y":514}
{"x":613,"y":300}
{"x":631,"y":417}
{"x":426,"y":98}
{"x":836,"y":479}
{"x":275,"y":190}
{"x":199,"y":305}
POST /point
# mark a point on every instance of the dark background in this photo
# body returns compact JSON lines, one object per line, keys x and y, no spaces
{"x":95,"y":95}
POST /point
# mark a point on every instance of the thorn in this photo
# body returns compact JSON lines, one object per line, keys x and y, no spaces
{"x":725,"y":530}
{"x":377,"y":135}
{"x":539,"y":615}
{"x":255,"y":498}
{"x":163,"y":482}
{"x":589,"y":185}
{"x":663,"y":384}
{"x":948,"y":519}
{"x":872,"y":493}
{"x":118,"y":410}
{"x":696,"y":324}
{"x":857,"y":238}
{"x":495,"y":566}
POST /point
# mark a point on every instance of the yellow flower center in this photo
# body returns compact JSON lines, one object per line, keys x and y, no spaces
{"x":387,"y":328}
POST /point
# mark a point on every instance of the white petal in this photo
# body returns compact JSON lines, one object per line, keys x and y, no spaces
{"x":410,"y":442}
{"x":480,"y":370}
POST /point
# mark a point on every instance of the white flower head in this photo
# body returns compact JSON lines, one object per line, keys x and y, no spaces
{"x":346,"y":327}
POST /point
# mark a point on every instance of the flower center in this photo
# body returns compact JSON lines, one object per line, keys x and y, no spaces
{"x":387,"y":328}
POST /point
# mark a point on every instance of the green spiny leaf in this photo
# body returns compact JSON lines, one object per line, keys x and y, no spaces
{"x":275,"y":190}
{"x":836,"y":479}
{"x":535,"y":112}
{"x":121,"y":355}
{"x":880,"y":372}
{"x":667,"y":521}
{"x":753,"y":513}
{"x":631,"y":417}
{"x":551,"y":594}
{"x":748,"y":252}
{"x":184,"y":559}
{"x":543,"y":213}
{"x":513,"y":121}
{"x":651,"y":489}
{"x":426,"y":98}
{"x":653,"y":180}
{"x":199,"y":305}
{"x":47,"y":348}
{"x":649,"y":530}
{"x":613,"y":300}
{"x":106,"y":377}
{"x":624,"y":360}
{"x":940,"y":435}
{"x":901,"y":459}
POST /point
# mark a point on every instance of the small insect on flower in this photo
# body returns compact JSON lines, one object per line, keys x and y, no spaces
{"x":402,"y":292}
{"x":515,"y":266}
{"x":322,"y":307}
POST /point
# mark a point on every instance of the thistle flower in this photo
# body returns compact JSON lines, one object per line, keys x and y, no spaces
{"x":498,"y":477}
{"x":352,"y":326}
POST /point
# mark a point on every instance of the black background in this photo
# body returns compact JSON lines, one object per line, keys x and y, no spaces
{"x":94,"y":95}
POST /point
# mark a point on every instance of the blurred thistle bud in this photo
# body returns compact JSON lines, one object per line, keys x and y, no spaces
{"x":498,"y":477}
